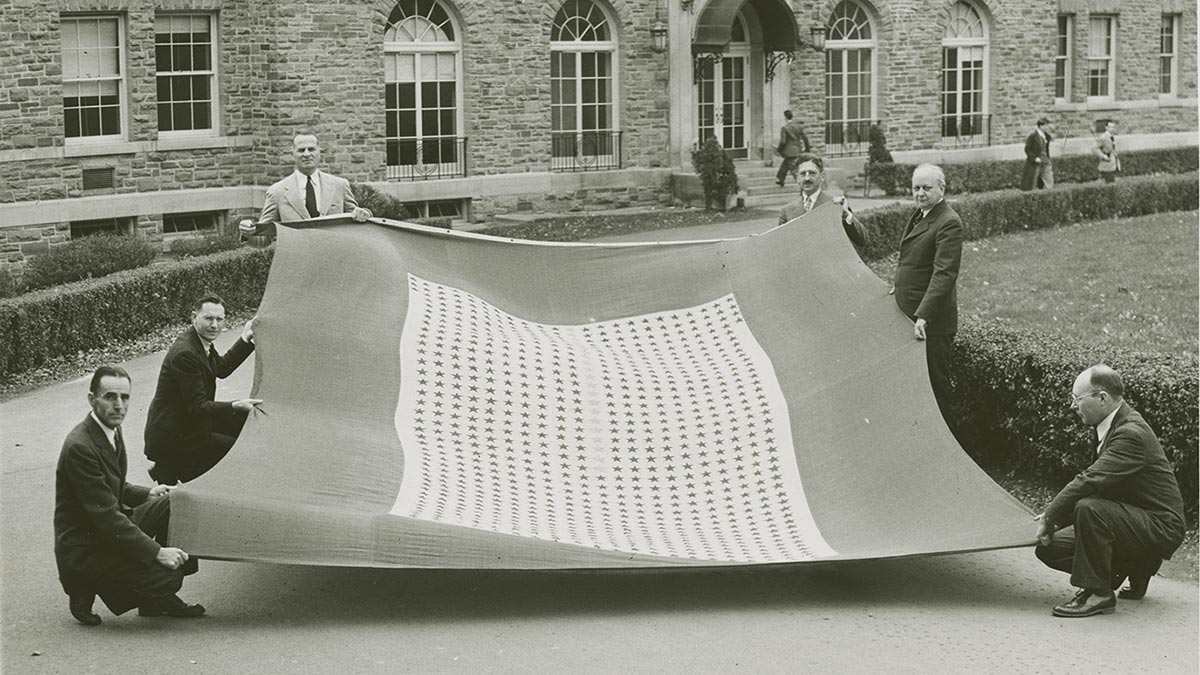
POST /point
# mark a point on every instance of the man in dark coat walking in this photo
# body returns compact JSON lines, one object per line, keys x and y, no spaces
{"x":109,"y":535}
{"x":1039,"y":172}
{"x":792,"y":143}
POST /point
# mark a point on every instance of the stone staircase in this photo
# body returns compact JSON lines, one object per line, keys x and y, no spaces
{"x":843,"y":175}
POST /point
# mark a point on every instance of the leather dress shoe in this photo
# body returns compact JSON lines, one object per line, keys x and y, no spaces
{"x":81,"y":609}
{"x":1087,"y":603}
{"x":1136,"y":590}
{"x":171,"y":606}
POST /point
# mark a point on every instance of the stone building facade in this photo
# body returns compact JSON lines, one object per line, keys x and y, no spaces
{"x":168,"y":117}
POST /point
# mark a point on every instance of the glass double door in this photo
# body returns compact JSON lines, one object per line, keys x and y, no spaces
{"x":723,"y":104}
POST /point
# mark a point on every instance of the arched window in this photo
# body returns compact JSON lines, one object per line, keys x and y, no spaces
{"x":849,"y":80}
{"x":964,"y":77}
{"x":584,"y":131}
{"x":422,"y":62}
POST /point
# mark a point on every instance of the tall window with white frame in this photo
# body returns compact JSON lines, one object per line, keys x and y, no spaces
{"x":422,"y":58}
{"x":1168,"y":56}
{"x":965,"y":121}
{"x":1064,"y":60}
{"x":93,"y":56}
{"x":1102,"y":70}
{"x":583,"y":120}
{"x":185,"y":64}
{"x":849,"y":80}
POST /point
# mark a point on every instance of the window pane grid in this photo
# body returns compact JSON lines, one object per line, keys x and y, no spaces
{"x":92,"y":76}
{"x":183,"y":59}
{"x":1100,"y":67}
{"x":1168,"y":44}
{"x":1062,"y":58}
{"x":421,"y":109}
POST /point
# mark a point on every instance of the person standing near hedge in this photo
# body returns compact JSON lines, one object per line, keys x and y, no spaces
{"x":811,"y":170}
{"x":307,"y":193}
{"x":110,"y":535}
{"x":1039,"y":173}
{"x":187,"y":431}
{"x":792,"y":143}
{"x":1106,"y":152}
{"x":1122,"y":515}
{"x":926,"y":285}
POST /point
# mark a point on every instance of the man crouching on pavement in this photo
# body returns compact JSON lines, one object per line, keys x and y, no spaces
{"x":108,"y":534}
{"x":1123,"y":515}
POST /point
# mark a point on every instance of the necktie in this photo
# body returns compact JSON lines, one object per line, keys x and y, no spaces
{"x":808,"y":204}
{"x":213,"y":358}
{"x":310,"y":199}
{"x":120,"y":442}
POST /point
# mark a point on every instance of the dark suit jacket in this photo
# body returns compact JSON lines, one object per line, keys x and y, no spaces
{"x":855,"y":230}
{"x":1034,"y":148}
{"x":1130,"y":468}
{"x":93,"y":506}
{"x":792,"y":139}
{"x":183,"y":408}
{"x":927,"y":272}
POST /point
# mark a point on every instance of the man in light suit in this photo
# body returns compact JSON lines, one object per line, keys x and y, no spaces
{"x":792,"y":143}
{"x":812,"y":179}
{"x":1039,"y":172}
{"x":307,"y":193}
{"x":109,"y":535}
{"x":187,"y":431}
{"x":1106,"y":152}
{"x":926,"y":286}
{"x":1122,"y":515}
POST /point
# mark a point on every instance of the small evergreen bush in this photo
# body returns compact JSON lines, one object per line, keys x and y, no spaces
{"x":191,"y":247}
{"x":717,"y":174}
{"x":87,"y":258}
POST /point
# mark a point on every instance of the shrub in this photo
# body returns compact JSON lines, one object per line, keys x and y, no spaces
{"x":88,"y":258}
{"x":383,"y":205}
{"x":717,"y":173}
{"x":1011,"y":409}
{"x":190,"y":247}
{"x":66,"y":319}
{"x":877,"y":152}
{"x":987,"y":215}
{"x":8,"y":286}
{"x":992,"y":175}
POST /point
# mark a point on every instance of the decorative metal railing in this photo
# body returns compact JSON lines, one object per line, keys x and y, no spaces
{"x":847,"y":139}
{"x":428,"y":158}
{"x":970,"y":130}
{"x":585,"y":150}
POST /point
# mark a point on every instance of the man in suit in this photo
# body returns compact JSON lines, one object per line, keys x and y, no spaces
{"x":812,"y":179}
{"x":307,"y":193}
{"x":187,"y":431}
{"x":792,"y":142}
{"x":109,"y":535}
{"x":1122,"y":515}
{"x":1106,"y":152}
{"x":1039,"y":173}
{"x":926,"y":286}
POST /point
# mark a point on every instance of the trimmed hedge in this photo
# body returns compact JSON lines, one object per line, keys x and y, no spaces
{"x":987,"y":215}
{"x":41,"y":325}
{"x":1012,"y":402}
{"x":992,"y":175}
{"x":88,"y":258}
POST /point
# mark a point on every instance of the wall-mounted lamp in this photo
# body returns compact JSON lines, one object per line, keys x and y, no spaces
{"x":817,"y":34}
{"x":658,"y":37}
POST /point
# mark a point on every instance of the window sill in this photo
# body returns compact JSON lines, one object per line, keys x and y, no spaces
{"x":114,"y":148}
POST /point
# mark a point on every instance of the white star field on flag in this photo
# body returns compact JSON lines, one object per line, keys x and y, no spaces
{"x":662,"y":434}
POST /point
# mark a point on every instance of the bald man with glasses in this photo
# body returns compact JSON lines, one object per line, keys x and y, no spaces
{"x":1120,"y":517}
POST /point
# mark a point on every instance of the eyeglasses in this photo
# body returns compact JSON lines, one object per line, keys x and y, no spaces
{"x":1076,"y":399}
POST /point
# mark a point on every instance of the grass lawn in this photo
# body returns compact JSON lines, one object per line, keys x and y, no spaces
{"x":1129,"y":283}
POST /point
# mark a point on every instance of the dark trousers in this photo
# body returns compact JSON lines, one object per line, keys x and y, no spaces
{"x":786,"y":165}
{"x":121,"y":582}
{"x":1109,"y":540}
{"x":939,"y":355}
{"x":1108,"y":176}
{"x":190,"y":458}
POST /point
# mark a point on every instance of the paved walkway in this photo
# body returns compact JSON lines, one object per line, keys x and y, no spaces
{"x":980,"y":613}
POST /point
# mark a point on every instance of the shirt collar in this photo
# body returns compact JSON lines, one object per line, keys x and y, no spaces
{"x":204,"y":344}
{"x":1105,"y":424}
{"x":302,"y":180}
{"x":110,"y":434}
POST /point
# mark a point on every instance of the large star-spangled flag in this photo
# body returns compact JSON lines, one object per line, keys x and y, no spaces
{"x":443,"y":399}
